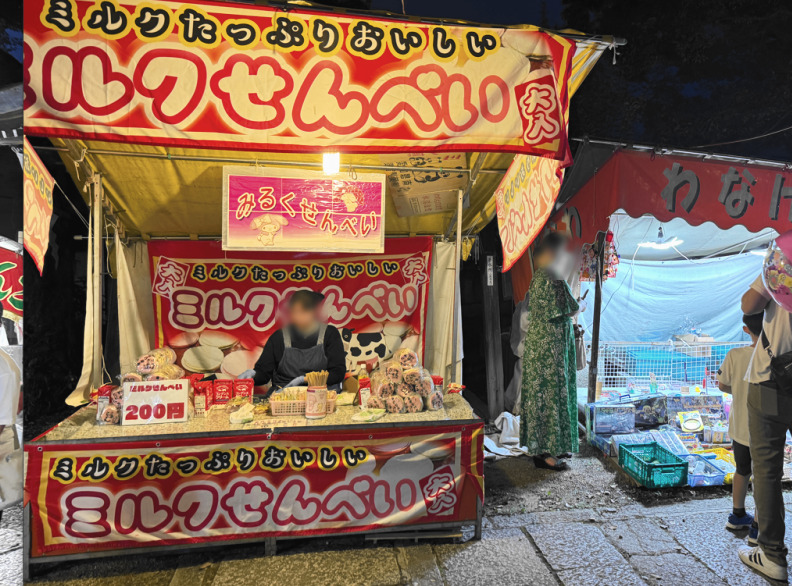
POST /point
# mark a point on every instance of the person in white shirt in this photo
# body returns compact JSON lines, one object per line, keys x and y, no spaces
{"x":769,"y":419}
{"x":731,"y":379}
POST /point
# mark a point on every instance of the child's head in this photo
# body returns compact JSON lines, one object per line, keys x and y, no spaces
{"x":753,"y":325}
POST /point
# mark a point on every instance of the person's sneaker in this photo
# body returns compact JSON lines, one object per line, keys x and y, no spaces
{"x":753,"y":535}
{"x":754,"y":557}
{"x":736,"y":523}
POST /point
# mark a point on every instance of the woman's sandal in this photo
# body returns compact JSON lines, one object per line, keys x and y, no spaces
{"x":541,"y":462}
{"x":564,"y":456}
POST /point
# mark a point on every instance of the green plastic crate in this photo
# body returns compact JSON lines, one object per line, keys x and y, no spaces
{"x":637,"y":460}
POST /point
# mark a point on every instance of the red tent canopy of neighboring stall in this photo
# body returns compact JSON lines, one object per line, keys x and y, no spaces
{"x":727,"y":191}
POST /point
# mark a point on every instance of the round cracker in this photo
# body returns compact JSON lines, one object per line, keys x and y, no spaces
{"x":183,"y":340}
{"x":217,"y":339}
{"x":235,"y":363}
{"x":202,"y":359}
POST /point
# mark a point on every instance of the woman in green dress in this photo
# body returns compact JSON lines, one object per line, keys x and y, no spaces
{"x":548,"y":408}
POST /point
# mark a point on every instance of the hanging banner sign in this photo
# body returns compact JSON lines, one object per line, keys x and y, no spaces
{"x":205,"y":299}
{"x":37,"y":205}
{"x":429,"y":183}
{"x":100,"y":497}
{"x":294,"y":210}
{"x":11,"y":283}
{"x":220,"y":75}
{"x":155,"y":402}
{"x":524,"y":201}
{"x":670,"y":186}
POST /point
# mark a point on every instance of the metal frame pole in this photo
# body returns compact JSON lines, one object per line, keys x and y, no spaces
{"x":97,"y":243}
{"x":457,"y":291}
{"x":595,"y":329}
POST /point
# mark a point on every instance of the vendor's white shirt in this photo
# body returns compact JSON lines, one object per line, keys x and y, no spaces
{"x":732,"y":373}
{"x":9,"y":389}
{"x":777,"y":326}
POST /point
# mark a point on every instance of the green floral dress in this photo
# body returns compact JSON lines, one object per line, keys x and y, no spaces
{"x":548,"y":409}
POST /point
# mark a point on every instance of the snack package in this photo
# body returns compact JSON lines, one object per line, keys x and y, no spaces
{"x":375,"y":403}
{"x":109,"y":404}
{"x":395,"y":404}
{"x":690,"y":421}
{"x":199,"y":403}
{"x":131,"y":377}
{"x":205,"y":388}
{"x":146,"y":364}
{"x":244,"y":414}
{"x":434,"y":401}
{"x":167,"y":372}
{"x":383,"y":389}
{"x":414,"y":403}
{"x":243,"y":387}
{"x":412,"y":376}
{"x":406,"y":357}
{"x":223,"y":391}
{"x":110,"y":415}
{"x":404,"y":390}
{"x":455,"y":388}
{"x":393,"y":371}
{"x":425,"y":386}
{"x":165,"y":355}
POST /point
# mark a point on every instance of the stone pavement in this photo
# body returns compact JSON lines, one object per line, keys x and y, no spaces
{"x":571,"y":534}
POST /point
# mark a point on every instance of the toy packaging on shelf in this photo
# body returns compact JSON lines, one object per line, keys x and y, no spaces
{"x":613,"y":418}
{"x":650,"y":410}
{"x":709,"y":406}
{"x":690,"y":421}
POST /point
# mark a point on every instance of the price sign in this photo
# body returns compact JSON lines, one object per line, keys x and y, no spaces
{"x":162,"y":401}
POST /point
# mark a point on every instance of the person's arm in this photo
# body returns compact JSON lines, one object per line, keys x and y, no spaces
{"x":336,"y":356}
{"x":755,"y":299}
{"x":268,"y":361}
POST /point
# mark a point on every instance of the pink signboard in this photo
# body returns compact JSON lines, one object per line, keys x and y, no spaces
{"x":291,"y":209}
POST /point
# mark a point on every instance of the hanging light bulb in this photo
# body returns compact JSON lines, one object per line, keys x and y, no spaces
{"x":331,"y":163}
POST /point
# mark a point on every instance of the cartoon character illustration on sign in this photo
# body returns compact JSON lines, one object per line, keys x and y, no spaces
{"x":268,"y":226}
{"x":365,"y":347}
{"x":352,"y":198}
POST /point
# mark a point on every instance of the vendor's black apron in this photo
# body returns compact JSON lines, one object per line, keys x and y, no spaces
{"x":297,"y":362}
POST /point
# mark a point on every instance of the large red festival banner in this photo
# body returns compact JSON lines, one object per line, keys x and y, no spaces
{"x":379,"y":301}
{"x":236,"y":76}
{"x":11,"y":283}
{"x":100,"y":497}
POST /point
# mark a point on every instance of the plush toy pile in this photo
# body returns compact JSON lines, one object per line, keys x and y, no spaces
{"x":401,"y":385}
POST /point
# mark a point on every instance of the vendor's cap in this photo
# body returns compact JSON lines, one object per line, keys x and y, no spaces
{"x":306,"y":298}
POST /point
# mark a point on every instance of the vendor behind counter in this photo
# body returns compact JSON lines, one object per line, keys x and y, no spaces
{"x":305,"y":344}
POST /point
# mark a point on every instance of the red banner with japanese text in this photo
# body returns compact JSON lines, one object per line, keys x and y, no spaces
{"x":11,"y":283}
{"x":37,"y":196}
{"x":524,"y":201}
{"x":204,"y":296}
{"x":236,"y":76}
{"x":697,"y":190}
{"x":111,"y":496}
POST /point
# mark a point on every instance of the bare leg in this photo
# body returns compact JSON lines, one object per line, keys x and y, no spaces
{"x":739,"y":490}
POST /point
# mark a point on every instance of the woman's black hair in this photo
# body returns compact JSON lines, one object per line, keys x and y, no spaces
{"x":306,"y":298}
{"x":552,"y":242}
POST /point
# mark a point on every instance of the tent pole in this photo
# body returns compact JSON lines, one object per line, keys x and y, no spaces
{"x":595,"y":330}
{"x":457,"y":292}
{"x":98,"y":242}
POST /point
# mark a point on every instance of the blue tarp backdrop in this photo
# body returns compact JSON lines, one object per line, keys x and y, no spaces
{"x":653,"y":301}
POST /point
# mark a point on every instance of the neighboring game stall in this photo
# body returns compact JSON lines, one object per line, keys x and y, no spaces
{"x":427,"y":112}
{"x":664,"y":393}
